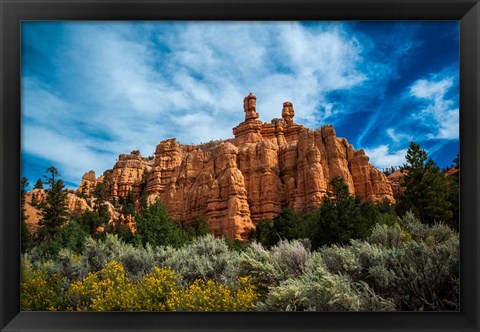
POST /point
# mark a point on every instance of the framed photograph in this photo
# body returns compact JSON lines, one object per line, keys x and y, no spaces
{"x":246,"y":165}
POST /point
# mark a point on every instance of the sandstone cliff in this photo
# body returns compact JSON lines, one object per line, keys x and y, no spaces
{"x":235,"y":183}
{"x":75,"y":205}
{"x":33,"y":198}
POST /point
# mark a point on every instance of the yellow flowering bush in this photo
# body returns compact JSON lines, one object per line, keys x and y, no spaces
{"x":213,"y":296}
{"x":38,"y":290}
{"x":156,"y":288}
{"x":405,"y":236}
{"x":110,"y":289}
{"x":106,"y":290}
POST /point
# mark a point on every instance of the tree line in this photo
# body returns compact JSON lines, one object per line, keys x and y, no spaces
{"x":428,"y":194}
{"x":349,"y":254}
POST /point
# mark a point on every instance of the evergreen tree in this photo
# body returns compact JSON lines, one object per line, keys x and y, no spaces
{"x":426,"y":188}
{"x":143,"y":203}
{"x":101,"y":195}
{"x":70,"y":236}
{"x":389,"y":170}
{"x":23,"y":185}
{"x":38,"y":184}
{"x":342,"y":217}
{"x":123,"y":232}
{"x":90,"y":221}
{"x":157,"y":228}
{"x":339,"y":191}
{"x":26,"y":238}
{"x":198,"y":227}
{"x":456,"y":161}
{"x":128,"y":204}
{"x":34,"y":200}
{"x":54,"y":210}
{"x":101,"y":192}
{"x":454,"y":195}
{"x":83,"y":191}
{"x":286,"y":226}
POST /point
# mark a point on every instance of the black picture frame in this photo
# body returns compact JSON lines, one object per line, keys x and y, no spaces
{"x":14,"y":11}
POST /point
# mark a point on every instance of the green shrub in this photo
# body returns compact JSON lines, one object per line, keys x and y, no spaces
{"x":286,"y":226}
{"x":269,"y":267}
{"x":326,"y":292}
{"x":417,"y":268}
{"x":157,"y":228}
{"x":39,"y":291}
{"x":205,"y":258}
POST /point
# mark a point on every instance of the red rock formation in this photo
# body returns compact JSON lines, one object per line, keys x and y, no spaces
{"x":128,"y":221}
{"x":452,"y":171}
{"x":33,"y":198}
{"x":127,"y":174}
{"x":235,"y":183}
{"x":88,"y":184}
{"x":396,"y":179}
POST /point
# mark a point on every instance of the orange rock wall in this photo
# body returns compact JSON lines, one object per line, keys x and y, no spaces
{"x":233,"y":184}
{"x":33,"y":198}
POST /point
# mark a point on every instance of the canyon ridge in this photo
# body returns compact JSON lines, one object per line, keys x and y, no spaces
{"x":235,"y":183}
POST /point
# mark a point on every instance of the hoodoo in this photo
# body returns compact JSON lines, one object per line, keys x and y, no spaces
{"x":237,"y":182}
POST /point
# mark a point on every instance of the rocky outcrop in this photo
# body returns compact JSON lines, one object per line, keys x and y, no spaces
{"x":128,"y":221}
{"x":396,"y":180}
{"x":87,"y":185}
{"x":34,"y":198}
{"x":368,"y":181}
{"x":128,"y":175}
{"x":235,"y":183}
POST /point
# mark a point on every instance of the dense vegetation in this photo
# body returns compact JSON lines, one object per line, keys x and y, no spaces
{"x":349,"y":254}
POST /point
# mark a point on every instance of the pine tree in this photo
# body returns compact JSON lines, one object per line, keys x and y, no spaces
{"x":389,"y":170}
{"x":54,"y":210}
{"x":23,"y":185}
{"x":426,"y":188}
{"x":38,"y":184}
{"x":101,"y":192}
{"x":128,"y":204}
{"x":456,"y":161}
{"x":157,"y":228}
{"x":26,"y":237}
{"x":143,"y":202}
{"x":83,"y":191}
{"x":101,"y":195}
{"x":454,"y":195}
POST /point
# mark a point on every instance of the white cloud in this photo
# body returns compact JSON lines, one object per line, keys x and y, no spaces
{"x":438,"y":110}
{"x":381,"y":156}
{"x":431,"y":89}
{"x":72,"y":156}
{"x":398,"y":137}
{"x":134,"y":87}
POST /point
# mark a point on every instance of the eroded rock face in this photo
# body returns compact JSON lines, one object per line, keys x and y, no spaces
{"x":235,"y":183}
{"x":35,"y":197}
{"x":128,"y":174}
{"x":396,"y":180}
{"x":88,"y":184}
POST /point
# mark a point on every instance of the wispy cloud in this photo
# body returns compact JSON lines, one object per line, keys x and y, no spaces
{"x":91,"y":91}
{"x":398,"y":137}
{"x":121,"y":91}
{"x":438,"y":109}
{"x":382,"y":157}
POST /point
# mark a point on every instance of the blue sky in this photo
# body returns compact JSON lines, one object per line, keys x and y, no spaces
{"x":91,"y":91}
